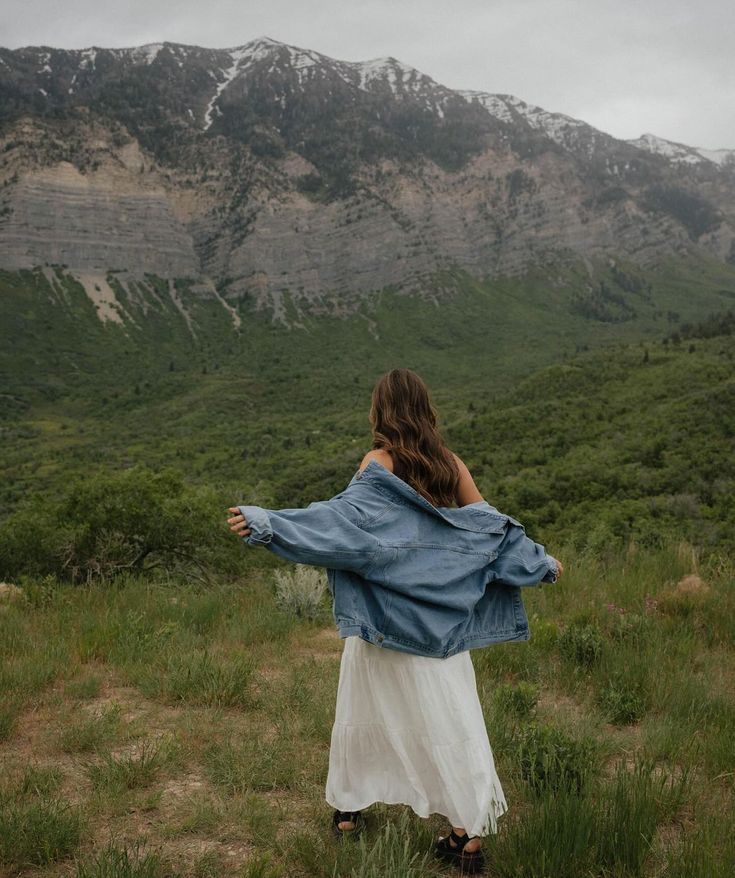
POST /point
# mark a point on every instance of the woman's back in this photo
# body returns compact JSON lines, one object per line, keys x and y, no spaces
{"x":467,"y":491}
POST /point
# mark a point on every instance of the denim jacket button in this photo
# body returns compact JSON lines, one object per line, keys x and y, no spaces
{"x":379,"y":638}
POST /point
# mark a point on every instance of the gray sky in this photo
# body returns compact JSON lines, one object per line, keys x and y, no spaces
{"x":625,"y":66}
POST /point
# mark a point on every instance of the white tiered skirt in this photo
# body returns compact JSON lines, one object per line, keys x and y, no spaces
{"x":410,"y":729}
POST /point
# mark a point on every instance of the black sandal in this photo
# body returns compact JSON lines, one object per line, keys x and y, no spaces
{"x":345,"y":817}
{"x":470,"y":862}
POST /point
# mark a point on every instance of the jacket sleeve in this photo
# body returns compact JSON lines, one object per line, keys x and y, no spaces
{"x":521,"y":561}
{"x":323,"y":534}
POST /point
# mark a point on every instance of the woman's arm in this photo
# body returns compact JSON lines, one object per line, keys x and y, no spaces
{"x":326,"y":533}
{"x":522,"y":563}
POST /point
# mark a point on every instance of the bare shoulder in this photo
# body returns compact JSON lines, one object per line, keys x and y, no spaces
{"x":467,"y":491}
{"x":464,"y":474}
{"x":383,"y":457}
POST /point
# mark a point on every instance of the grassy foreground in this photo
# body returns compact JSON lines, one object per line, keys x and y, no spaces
{"x":151,"y":728}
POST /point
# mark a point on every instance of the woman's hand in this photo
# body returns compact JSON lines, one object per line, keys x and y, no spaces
{"x":237,"y":523}
{"x":560,"y":566}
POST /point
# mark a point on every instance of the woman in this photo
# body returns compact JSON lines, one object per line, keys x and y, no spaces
{"x":409,"y":728}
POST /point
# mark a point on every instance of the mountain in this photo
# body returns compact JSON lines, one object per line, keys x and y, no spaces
{"x":295,"y":182}
{"x":680,"y":152}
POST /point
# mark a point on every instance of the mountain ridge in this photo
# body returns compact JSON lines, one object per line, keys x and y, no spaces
{"x":150,"y":51}
{"x":267,"y":170}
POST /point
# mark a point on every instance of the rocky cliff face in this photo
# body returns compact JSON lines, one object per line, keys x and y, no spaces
{"x":106,"y":219}
{"x":268,"y":169}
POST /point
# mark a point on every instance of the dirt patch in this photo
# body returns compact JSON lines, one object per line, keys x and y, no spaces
{"x":183,"y":787}
{"x":325,"y":643}
{"x":554,"y":703}
{"x":102,"y":295}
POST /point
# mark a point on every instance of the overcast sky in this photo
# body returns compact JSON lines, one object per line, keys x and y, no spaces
{"x":625,"y":66}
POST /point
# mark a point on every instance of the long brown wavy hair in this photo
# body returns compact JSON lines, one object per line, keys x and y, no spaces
{"x":404,"y":422}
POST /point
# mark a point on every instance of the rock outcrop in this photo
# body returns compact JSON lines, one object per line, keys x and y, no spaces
{"x":267,"y":170}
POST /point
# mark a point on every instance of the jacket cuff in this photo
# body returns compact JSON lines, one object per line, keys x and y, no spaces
{"x":553,"y":572}
{"x":259,"y":522}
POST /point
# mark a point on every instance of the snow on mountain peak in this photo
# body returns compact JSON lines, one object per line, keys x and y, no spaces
{"x":249,"y":53}
{"x":229,"y":73}
{"x":88,"y":58}
{"x":258,"y":48}
{"x":401,"y":79}
{"x":147,"y":53}
{"x":668,"y":148}
{"x":680,"y":152}
{"x":718,"y":156}
{"x":389,"y":69}
{"x":557,"y":126}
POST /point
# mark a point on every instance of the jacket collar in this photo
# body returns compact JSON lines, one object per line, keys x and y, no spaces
{"x":396,"y":489}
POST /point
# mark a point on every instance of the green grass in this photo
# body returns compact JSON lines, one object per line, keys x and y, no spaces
{"x":200,"y":678}
{"x":116,"y":774}
{"x":235,"y":787}
{"x":122,"y":862}
{"x":36,"y":833}
{"x":37,"y":826}
{"x":91,"y":732}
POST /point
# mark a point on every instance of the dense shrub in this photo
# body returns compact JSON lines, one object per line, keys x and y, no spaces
{"x":110,"y":523}
{"x":551,"y":760}
{"x":581,"y":642}
{"x":520,"y":700}
{"x":623,"y":698}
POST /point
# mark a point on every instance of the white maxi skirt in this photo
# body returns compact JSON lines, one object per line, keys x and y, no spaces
{"x":409,"y":729}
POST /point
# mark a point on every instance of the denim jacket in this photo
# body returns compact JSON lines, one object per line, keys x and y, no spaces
{"x":408,"y":575}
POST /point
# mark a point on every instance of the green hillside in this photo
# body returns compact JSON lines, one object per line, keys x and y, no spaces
{"x":635,"y":441}
{"x":542,"y":386}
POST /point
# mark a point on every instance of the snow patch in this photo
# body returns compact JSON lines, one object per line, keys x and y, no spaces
{"x":88,"y":59}
{"x":676,"y":152}
{"x":241,"y":58}
{"x":303,"y":61}
{"x":43,"y":58}
{"x":557,"y":126}
{"x":562,"y":129}
{"x":228,"y":74}
{"x":492,"y":103}
{"x":147,"y":53}
{"x":261,"y":45}
{"x":680,"y":152}
{"x":397,"y":75}
{"x":718,"y":156}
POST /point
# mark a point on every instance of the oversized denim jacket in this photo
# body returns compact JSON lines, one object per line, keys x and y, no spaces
{"x":408,"y":575}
